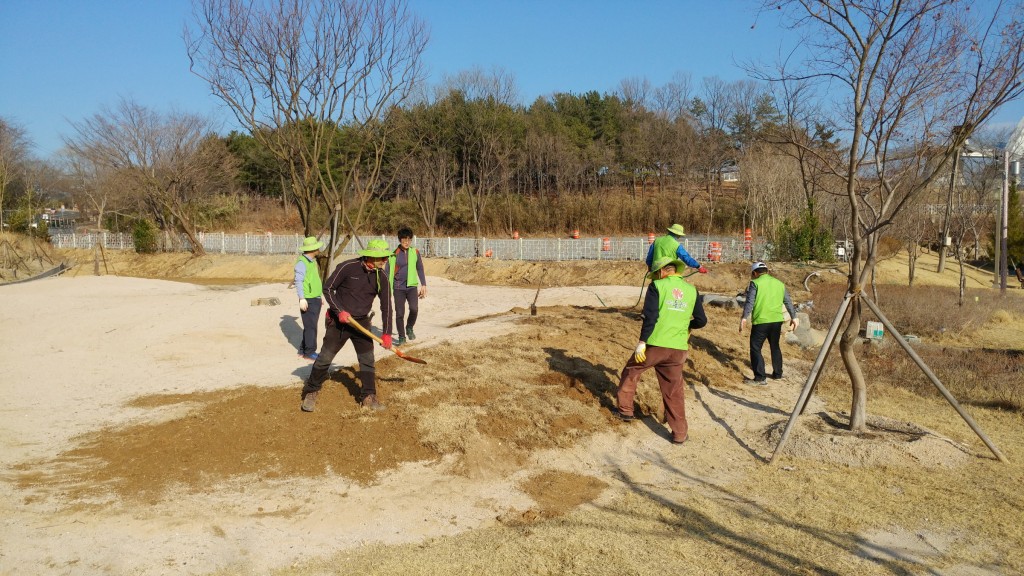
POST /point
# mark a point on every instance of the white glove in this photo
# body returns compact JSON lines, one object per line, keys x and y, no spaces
{"x":640,"y":354}
{"x":303,"y":305}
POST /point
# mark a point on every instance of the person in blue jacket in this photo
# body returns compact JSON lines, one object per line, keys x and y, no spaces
{"x":670,"y":245}
{"x":309,"y":289}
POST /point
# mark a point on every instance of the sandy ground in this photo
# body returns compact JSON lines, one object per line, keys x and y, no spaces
{"x":82,"y":354}
{"x":116,"y":339}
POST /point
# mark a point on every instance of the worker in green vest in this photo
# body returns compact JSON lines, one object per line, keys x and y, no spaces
{"x":766,"y":297}
{"x":309,"y":288}
{"x":672,"y":308}
{"x":408,"y":284}
{"x":671,"y":244}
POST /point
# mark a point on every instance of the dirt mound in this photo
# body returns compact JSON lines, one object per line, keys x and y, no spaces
{"x":825,"y":437}
{"x":552,"y":379}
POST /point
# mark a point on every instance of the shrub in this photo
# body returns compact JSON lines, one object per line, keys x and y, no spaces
{"x":804,"y":240}
{"x":144,"y":233}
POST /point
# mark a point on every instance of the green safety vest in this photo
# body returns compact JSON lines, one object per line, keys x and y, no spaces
{"x":665,"y":246}
{"x":312,"y":287}
{"x":412,"y":278}
{"x":768,"y":302}
{"x":676,"y":299}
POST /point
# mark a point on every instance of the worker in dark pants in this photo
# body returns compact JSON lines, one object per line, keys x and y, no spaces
{"x":409,"y":283}
{"x":766,"y":297}
{"x":350,"y":292}
{"x":309,"y":288}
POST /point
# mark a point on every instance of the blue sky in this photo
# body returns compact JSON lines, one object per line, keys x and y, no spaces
{"x":63,"y":60}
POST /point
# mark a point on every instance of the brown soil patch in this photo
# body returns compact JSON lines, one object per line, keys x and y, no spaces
{"x":558,"y":493}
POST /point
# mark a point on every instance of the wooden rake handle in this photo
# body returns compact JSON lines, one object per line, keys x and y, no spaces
{"x":376,"y":338}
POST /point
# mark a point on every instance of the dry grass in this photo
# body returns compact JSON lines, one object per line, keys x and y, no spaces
{"x":981,"y":377}
{"x":926,"y":311}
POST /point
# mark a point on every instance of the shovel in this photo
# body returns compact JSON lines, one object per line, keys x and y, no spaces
{"x":394,"y":349}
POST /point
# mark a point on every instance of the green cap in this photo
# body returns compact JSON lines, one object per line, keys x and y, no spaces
{"x":677,"y":230}
{"x":311,"y":244}
{"x":662,"y":262}
{"x":376,"y":249}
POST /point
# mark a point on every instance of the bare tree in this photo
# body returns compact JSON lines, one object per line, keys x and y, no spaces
{"x":170,"y":162}
{"x":94,"y":185}
{"x":775,"y":194}
{"x":296,"y":72}
{"x":497,"y":84}
{"x":425,"y":168}
{"x":489,"y":131}
{"x":14,"y":150}
{"x":901,"y":74}
{"x":674,"y":98}
{"x":637,"y":91}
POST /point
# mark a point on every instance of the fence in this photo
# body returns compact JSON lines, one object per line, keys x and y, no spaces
{"x":733,"y":249}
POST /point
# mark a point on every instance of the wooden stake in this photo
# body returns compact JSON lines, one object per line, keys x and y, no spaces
{"x":812,"y":378}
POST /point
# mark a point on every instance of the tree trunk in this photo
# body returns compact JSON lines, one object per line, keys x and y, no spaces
{"x":963,"y":275}
{"x":912,"y":263}
{"x":858,"y":405}
{"x":186,"y":227}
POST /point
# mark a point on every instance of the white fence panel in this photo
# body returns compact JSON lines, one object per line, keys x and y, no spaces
{"x":532,"y":249}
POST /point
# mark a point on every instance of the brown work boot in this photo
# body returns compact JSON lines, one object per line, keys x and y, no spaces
{"x":371,"y":402}
{"x":309,"y":401}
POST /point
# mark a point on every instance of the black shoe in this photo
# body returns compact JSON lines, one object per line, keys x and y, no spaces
{"x":625,"y":417}
{"x":755,"y":382}
{"x":774,"y":377}
{"x":309,"y":401}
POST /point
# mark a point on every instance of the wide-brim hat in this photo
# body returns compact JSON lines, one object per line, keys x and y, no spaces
{"x":661,"y":263}
{"x":758,"y":266}
{"x":310,"y":244}
{"x":676,"y":230}
{"x":376,"y":249}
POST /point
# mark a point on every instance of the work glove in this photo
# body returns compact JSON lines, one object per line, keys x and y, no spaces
{"x":344,"y":317}
{"x":303,"y":305}
{"x":702,"y":270}
{"x":386,"y":341}
{"x":640,"y":354}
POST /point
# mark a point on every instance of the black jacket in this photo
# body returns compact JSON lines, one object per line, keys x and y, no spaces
{"x":352,"y":288}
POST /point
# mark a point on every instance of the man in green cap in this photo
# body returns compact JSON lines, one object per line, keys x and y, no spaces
{"x":766,"y":297}
{"x":670,"y":245}
{"x":309,"y":288}
{"x":672,"y":308}
{"x":350,"y":291}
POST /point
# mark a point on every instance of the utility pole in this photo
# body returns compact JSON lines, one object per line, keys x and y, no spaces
{"x":1004,"y":208}
{"x":944,"y":234}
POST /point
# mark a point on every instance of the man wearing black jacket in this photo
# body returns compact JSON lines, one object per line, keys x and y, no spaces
{"x":350,"y":291}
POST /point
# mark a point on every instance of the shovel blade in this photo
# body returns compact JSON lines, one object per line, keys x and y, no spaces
{"x":405,"y":356}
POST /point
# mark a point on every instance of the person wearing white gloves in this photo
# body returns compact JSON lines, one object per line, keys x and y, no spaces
{"x":309,"y":289}
{"x":672,"y":308}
